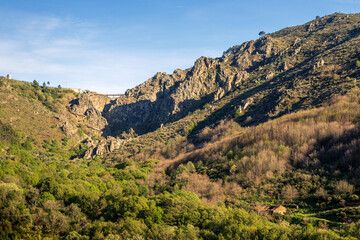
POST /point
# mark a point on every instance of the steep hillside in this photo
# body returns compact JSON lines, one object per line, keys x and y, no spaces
{"x":260,"y":143}
{"x":295,"y":68}
{"x":41,"y":113}
{"x":299,"y":67}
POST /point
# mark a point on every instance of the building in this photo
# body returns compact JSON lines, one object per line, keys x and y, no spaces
{"x":279,"y":210}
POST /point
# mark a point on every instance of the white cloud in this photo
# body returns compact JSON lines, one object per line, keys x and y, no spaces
{"x":68,"y":52}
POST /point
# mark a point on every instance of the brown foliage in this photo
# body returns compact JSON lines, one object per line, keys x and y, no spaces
{"x":211,"y":191}
{"x":306,"y":139}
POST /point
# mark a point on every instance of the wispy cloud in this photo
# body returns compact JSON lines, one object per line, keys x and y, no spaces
{"x":67,"y":52}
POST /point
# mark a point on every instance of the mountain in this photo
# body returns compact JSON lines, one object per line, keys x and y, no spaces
{"x":262,"y":142}
{"x":295,"y":68}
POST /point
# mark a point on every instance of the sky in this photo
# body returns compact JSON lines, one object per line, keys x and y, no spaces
{"x":109,"y":46}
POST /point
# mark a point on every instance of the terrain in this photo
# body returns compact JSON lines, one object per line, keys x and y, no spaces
{"x":260,"y":143}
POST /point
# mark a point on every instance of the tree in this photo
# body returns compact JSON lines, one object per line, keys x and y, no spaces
{"x":44,"y":84}
{"x":36,"y":83}
{"x":48,"y":83}
{"x":289,"y":192}
{"x":59,"y":86}
{"x":261,"y":33}
{"x":357,"y":63}
{"x":343,"y":187}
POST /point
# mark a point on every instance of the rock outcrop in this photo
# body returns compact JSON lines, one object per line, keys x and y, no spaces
{"x":166,"y":98}
{"x":92,"y":105}
{"x":101,"y":147}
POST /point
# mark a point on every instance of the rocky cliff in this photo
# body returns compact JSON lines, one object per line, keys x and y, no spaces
{"x":168,"y":97}
{"x":269,"y":69}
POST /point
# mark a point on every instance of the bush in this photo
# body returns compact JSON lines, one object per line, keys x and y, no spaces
{"x":190,"y":128}
{"x":27,"y":145}
{"x":343,"y":187}
{"x":8,"y":134}
{"x":357,"y":63}
{"x":80,"y":132}
{"x":289,"y":192}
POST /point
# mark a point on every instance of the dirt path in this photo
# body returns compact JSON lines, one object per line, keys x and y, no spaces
{"x":332,"y":210}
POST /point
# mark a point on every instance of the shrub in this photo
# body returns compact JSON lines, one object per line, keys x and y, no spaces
{"x":289,"y":192}
{"x":80,"y":132}
{"x":190,"y":128}
{"x":343,"y":187}
{"x":27,"y":145}
{"x":321,"y":193}
{"x":237,"y":113}
{"x":357,"y":63}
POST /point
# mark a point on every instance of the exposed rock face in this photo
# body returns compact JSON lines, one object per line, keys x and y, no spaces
{"x":161,"y":99}
{"x":91,"y":105}
{"x":166,"y":98}
{"x":68,"y":127}
{"x":99,"y":148}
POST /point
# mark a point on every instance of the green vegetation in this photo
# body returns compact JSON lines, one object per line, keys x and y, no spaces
{"x":190,"y":128}
{"x":305,"y":161}
{"x":46,"y":95}
{"x":54,"y":198}
{"x":277,"y":157}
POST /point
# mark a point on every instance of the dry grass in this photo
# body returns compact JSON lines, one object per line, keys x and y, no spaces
{"x":31,"y":117}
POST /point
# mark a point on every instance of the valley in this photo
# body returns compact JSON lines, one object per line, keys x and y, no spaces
{"x":260,"y":143}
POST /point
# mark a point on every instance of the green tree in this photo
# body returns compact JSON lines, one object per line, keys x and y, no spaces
{"x":358,"y":63}
{"x":261,"y":33}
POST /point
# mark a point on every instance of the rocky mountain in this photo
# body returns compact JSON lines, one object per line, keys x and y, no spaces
{"x":260,"y":143}
{"x":295,"y":68}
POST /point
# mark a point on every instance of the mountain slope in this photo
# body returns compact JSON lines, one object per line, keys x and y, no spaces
{"x":261,"y":143}
{"x":299,"y":67}
{"x":295,"y":68}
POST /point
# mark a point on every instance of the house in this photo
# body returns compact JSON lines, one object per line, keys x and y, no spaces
{"x":279,"y":210}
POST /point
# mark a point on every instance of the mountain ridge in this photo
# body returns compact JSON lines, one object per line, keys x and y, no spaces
{"x":260,"y":143}
{"x":271,"y":58}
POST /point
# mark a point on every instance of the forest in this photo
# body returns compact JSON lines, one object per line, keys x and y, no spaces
{"x":216,"y":192}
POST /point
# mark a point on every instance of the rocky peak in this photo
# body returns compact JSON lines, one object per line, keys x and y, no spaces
{"x":168,"y":97}
{"x":165,"y":98}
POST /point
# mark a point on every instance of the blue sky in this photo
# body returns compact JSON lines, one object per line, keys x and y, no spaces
{"x":109,"y":46}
